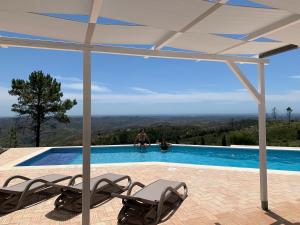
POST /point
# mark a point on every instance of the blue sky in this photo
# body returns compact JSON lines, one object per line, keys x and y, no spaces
{"x":125,"y":85}
{"x":134,"y":85}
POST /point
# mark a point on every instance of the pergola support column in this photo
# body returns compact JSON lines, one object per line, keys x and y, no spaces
{"x":262,"y":140}
{"x":86,"y":137}
{"x":243,"y":79}
{"x":86,"y":165}
{"x":259,"y":97}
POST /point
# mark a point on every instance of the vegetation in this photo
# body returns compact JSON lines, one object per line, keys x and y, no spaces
{"x":274,"y":113}
{"x":13,"y":137}
{"x":214,"y":130}
{"x":39,"y":98}
{"x":187,"y":134}
{"x":244,"y":132}
{"x":41,"y":109}
{"x":224,"y":142}
{"x":289,"y":111}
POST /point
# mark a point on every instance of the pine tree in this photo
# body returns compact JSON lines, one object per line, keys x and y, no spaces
{"x":39,"y":98}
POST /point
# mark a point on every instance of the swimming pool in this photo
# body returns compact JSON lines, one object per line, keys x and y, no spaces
{"x":214,"y":156}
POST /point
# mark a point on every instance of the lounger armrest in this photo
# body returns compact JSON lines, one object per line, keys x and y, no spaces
{"x":129,"y":182}
{"x":123,"y":197}
{"x":163,"y":197}
{"x":103,"y":180}
{"x":38,"y":180}
{"x":24,"y":193}
{"x":175,"y":191}
{"x":114,"y":184}
{"x":13,"y":178}
{"x":133,"y":185}
{"x":185,"y":189}
{"x":73,"y":179}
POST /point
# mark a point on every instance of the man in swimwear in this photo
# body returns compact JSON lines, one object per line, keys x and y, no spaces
{"x":164,"y":145}
{"x":142,"y":139}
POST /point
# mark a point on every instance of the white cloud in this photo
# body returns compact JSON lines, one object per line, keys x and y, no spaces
{"x":295,"y":77}
{"x":190,"y":97}
{"x":4,"y":96}
{"x":6,"y":100}
{"x":76,"y":83}
{"x":143,"y":90}
{"x":79,"y":86}
{"x":73,"y":79}
{"x":241,"y":90}
{"x":185,"y":101}
{"x":166,"y":97}
{"x":291,"y":96}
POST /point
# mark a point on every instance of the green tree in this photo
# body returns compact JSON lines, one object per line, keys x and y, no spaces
{"x":274,"y":113}
{"x":289,"y":111}
{"x":298,"y":134}
{"x":202,"y":141}
{"x":240,"y":138}
{"x":123,"y":137}
{"x":40,"y":98}
{"x":224,"y":142}
{"x":13,"y":137}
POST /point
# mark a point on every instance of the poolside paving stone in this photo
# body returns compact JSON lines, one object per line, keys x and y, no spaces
{"x":216,"y":196}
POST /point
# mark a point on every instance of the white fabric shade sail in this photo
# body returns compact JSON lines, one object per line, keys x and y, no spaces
{"x":193,"y":25}
{"x":205,"y":30}
{"x":254,"y":48}
{"x":203,"y":42}
{"x":43,"y":26}
{"x":292,"y":6}
{"x":238,"y":20}
{"x":130,"y":35}
{"x":81,"y":7}
{"x":290,"y":34}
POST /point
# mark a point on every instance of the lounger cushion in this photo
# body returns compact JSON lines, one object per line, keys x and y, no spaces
{"x":137,"y":211}
{"x":110,"y":176}
{"x":152,"y":192}
{"x":54,"y":178}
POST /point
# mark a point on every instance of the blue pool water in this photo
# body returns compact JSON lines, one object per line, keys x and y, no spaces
{"x":216,"y":156}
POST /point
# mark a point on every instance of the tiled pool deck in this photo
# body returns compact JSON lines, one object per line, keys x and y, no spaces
{"x":217,"y":196}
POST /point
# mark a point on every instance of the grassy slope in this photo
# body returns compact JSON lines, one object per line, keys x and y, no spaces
{"x":189,"y":130}
{"x":245,"y":132}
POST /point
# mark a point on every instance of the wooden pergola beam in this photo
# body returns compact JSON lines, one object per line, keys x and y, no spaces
{"x":67,"y":46}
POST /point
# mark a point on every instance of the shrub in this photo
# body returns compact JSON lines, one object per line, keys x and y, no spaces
{"x":242,"y":139}
{"x":224,"y":142}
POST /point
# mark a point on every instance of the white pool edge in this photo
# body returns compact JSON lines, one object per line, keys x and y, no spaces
{"x":14,"y":164}
{"x":169,"y":165}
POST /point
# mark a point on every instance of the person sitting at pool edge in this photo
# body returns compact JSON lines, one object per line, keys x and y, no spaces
{"x":164,"y":145}
{"x":142,"y":139}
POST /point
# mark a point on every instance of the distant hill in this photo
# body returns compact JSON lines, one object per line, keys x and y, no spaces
{"x":209,"y":130}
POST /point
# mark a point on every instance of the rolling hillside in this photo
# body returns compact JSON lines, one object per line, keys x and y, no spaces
{"x":208,"y":130}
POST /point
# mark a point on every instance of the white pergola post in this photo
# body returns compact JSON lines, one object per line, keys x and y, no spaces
{"x":262,"y":140}
{"x":86,"y":137}
{"x":259,"y":97}
{"x":86,"y":166}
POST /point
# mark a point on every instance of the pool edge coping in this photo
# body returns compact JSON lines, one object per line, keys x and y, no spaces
{"x":78,"y":147}
{"x":14,"y":163}
{"x":166,"y":164}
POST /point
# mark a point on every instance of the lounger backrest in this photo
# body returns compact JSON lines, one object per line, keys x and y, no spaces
{"x":53,"y":178}
{"x":110,"y":176}
{"x":153,"y":191}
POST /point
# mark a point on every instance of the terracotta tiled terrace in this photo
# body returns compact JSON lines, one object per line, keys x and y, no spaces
{"x":217,"y":196}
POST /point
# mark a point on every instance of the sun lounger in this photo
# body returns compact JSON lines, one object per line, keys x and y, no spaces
{"x":153,"y":204}
{"x":2,"y":150}
{"x":101,"y":188}
{"x":14,"y":197}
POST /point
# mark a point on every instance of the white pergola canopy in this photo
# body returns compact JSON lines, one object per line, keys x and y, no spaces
{"x":211,"y":30}
{"x":193,"y":25}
